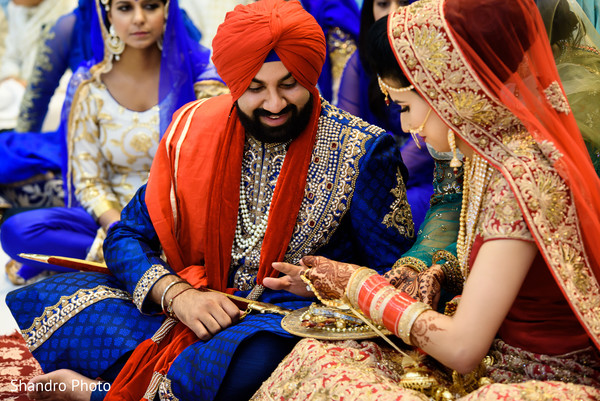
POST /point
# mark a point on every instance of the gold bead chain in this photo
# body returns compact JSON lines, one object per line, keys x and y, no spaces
{"x":477,"y":173}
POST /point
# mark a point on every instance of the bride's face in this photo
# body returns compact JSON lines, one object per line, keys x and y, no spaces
{"x":416,"y":113}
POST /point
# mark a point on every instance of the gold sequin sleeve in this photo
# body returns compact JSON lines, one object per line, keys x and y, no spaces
{"x":88,"y":159}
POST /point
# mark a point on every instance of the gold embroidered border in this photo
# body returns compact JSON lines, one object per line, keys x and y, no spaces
{"x":332,"y":175}
{"x":42,"y":66}
{"x":165,"y":392}
{"x":164,"y":329}
{"x":144,"y":285}
{"x":153,"y":386}
{"x":67,"y":307}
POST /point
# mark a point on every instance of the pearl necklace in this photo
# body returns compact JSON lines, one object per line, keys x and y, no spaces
{"x":477,"y":174}
{"x":256,"y":231}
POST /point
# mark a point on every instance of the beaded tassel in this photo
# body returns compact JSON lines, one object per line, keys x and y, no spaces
{"x":455,"y":163}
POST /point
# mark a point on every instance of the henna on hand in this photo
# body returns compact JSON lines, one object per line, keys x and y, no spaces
{"x":430,"y":285}
{"x":328,"y":277}
{"x":424,"y":286}
{"x":402,"y":278}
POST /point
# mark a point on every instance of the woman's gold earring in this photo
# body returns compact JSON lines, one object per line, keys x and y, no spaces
{"x":114,"y":44}
{"x":455,"y":163}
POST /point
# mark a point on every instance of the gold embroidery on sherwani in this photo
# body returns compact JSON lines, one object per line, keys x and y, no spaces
{"x":528,"y":167}
{"x":67,"y":307}
{"x":160,"y":384}
{"x":556,"y":98}
{"x":332,"y":175}
{"x":399,"y":216}
{"x":146,"y":282}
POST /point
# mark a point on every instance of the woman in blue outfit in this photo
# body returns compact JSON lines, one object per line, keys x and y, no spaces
{"x":120,"y":108}
{"x":66,"y":45}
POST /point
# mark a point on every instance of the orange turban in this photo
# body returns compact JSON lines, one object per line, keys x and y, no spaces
{"x":250,"y":32}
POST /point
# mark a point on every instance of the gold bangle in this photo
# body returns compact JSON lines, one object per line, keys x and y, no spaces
{"x":408,"y":318}
{"x":453,"y":278}
{"x":416,"y":264}
{"x":357,"y":279}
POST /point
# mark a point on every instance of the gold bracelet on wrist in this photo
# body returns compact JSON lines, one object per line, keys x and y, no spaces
{"x":416,"y":264}
{"x":408,"y":318}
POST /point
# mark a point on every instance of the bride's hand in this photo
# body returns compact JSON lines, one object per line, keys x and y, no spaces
{"x":328,"y":277}
{"x":424,"y":286}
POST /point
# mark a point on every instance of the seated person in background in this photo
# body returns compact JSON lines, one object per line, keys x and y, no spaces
{"x":26,"y":20}
{"x":121,"y":107}
{"x":64,"y":47}
{"x":269,"y":173}
{"x":576,"y":47}
{"x":527,"y":246}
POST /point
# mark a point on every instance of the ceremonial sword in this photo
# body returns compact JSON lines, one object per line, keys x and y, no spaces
{"x":88,"y":266}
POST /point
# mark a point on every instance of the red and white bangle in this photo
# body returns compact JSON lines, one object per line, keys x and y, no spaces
{"x":408,"y":319}
{"x":384,"y":304}
{"x":355,"y":283}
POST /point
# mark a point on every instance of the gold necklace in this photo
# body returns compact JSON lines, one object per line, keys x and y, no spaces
{"x":477,"y":173}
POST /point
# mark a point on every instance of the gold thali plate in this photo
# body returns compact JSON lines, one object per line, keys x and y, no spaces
{"x":292,"y":324}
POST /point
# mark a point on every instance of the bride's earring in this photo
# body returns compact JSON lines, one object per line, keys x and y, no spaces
{"x":114,"y":44}
{"x":455,"y":163}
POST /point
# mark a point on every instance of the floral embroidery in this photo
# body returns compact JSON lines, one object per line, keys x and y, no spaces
{"x":501,"y":217}
{"x":325,"y":370}
{"x":342,"y":46}
{"x":17,"y":367}
{"x":399,"y":216}
{"x":556,"y":98}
